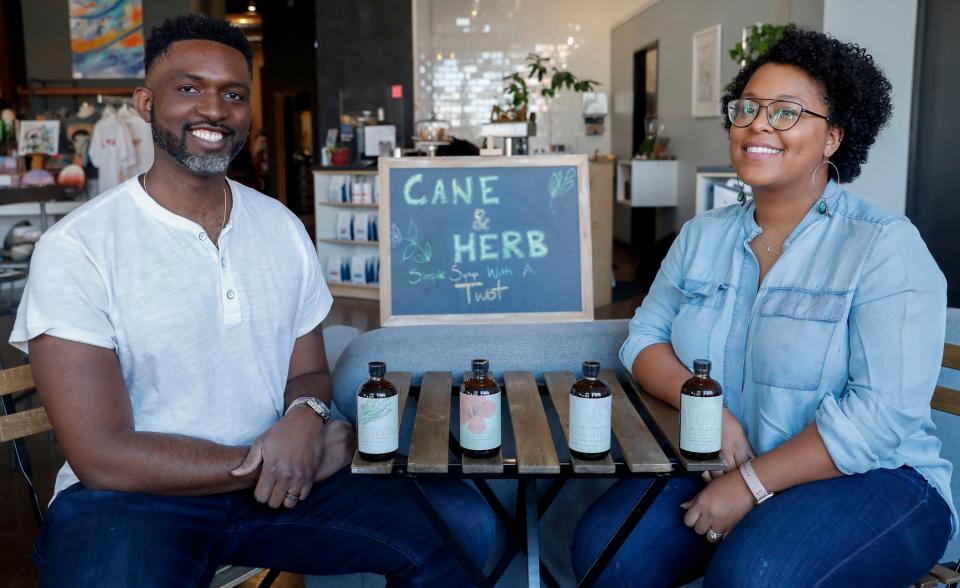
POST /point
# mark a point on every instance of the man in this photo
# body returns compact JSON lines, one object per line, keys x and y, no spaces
{"x":173,"y":325}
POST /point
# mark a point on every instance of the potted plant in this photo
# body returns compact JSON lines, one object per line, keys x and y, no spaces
{"x":518,"y":93}
{"x":756,"y":41}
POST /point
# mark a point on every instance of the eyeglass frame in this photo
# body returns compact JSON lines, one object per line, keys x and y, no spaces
{"x":764,"y":106}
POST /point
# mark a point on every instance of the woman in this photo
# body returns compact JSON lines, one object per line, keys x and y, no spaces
{"x":824,"y":318}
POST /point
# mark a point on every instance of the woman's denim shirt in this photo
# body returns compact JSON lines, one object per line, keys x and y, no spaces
{"x":847,"y":329}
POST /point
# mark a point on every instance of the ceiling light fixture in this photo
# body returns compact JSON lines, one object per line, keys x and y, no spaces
{"x":251,"y":6}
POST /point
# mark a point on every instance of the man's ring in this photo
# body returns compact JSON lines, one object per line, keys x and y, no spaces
{"x":292,"y":497}
{"x":714,"y":536}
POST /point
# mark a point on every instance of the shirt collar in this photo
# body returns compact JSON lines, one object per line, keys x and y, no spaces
{"x":829,"y":197}
{"x":154,"y":209}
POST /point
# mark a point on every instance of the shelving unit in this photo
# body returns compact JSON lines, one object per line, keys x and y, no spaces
{"x":707,"y":178}
{"x":328,"y":244}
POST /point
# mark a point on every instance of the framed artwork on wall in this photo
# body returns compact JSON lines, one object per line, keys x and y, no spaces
{"x":706,"y":72}
{"x":38,"y":137}
{"x":106,"y":39}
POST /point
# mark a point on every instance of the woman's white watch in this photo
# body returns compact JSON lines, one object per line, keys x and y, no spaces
{"x":318,"y":406}
{"x":760,"y":493}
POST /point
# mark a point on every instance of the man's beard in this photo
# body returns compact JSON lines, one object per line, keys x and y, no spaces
{"x":208,"y":164}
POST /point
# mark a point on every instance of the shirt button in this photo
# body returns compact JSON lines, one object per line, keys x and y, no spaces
{"x":202,"y":236}
{"x":223,"y":262}
{"x":230,"y":294}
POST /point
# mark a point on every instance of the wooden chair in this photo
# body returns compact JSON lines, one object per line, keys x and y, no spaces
{"x":15,"y":426}
{"x":946,"y":400}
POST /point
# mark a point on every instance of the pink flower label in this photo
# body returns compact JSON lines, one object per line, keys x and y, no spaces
{"x":479,"y":421}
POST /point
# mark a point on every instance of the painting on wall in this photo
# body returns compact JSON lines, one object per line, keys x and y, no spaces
{"x":706,"y":72}
{"x":106,"y":38}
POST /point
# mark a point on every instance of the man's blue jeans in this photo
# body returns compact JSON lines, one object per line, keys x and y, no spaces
{"x":348,"y":523}
{"x":881,"y":528}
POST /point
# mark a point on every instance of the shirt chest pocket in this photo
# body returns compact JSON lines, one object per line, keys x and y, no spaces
{"x":700,"y":305}
{"x":792,"y":334}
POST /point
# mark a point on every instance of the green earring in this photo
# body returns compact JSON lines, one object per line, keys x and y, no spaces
{"x":741,"y":197}
{"x":822,"y":207}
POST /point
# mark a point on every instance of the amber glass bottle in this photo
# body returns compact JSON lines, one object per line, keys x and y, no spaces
{"x":480,"y":412}
{"x":378,"y":429}
{"x":590,"y":403}
{"x":701,"y":414}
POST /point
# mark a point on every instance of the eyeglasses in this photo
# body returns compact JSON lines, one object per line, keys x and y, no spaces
{"x":781,"y":114}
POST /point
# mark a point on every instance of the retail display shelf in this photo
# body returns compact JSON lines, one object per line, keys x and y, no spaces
{"x":349,"y":204}
{"x":349,"y":242}
{"x":365,"y":291}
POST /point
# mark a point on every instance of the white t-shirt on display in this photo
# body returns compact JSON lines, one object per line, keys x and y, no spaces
{"x":142,"y":140}
{"x":111,"y":151}
{"x":203,"y":336}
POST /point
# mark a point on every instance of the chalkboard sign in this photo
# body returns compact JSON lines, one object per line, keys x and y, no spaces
{"x":485,"y":240}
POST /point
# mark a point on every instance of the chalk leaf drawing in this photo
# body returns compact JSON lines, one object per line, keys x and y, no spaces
{"x":414,"y":250}
{"x":561,"y":182}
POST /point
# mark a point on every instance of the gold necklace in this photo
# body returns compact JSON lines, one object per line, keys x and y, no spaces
{"x":223,"y":222}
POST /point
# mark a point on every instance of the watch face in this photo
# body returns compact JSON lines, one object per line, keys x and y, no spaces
{"x":319,"y":407}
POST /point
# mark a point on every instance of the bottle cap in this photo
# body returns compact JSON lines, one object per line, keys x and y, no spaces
{"x":591,"y":369}
{"x":701,"y":366}
{"x":480,"y":365}
{"x":377,"y":369}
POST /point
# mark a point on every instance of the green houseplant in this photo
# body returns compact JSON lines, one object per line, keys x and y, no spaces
{"x":760,"y":38}
{"x":518,"y":93}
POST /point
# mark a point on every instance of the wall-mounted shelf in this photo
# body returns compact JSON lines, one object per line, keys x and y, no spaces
{"x":647,"y":183}
{"x":351,"y":205}
{"x":363,"y":291}
{"x":348,"y":242}
{"x":327,"y":211}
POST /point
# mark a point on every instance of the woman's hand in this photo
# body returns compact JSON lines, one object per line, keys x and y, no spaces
{"x":734,"y":447}
{"x":719,"y":506}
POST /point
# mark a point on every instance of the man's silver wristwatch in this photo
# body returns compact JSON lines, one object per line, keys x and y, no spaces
{"x":318,"y":406}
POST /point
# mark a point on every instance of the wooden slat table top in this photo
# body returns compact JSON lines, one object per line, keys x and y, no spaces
{"x":667,"y":419}
{"x":641,"y":452}
{"x":535,"y":450}
{"x":486,"y":465}
{"x":559,"y":384}
{"x":401,"y":381}
{"x":951,"y":356}
{"x":430,"y":443}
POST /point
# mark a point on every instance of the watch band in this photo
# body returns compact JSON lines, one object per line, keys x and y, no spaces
{"x":318,"y":406}
{"x":760,"y":493}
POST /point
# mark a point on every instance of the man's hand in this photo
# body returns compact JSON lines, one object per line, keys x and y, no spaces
{"x":339,"y":445}
{"x":719,"y":506}
{"x":290,"y":455}
{"x":734,"y":447}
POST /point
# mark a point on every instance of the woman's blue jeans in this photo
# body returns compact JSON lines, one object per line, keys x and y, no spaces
{"x":348,"y":523}
{"x":880,"y":528}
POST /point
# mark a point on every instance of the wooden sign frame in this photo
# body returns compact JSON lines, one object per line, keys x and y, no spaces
{"x":585,"y":313}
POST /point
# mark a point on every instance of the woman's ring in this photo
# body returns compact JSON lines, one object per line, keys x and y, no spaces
{"x":714,"y":536}
{"x":292,"y":497}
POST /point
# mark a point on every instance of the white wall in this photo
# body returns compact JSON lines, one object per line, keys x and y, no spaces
{"x":459,"y":67}
{"x":694,"y":141}
{"x":887,"y":30}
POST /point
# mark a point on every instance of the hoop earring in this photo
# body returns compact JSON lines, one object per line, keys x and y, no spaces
{"x":822,"y":205}
{"x":741,"y":196}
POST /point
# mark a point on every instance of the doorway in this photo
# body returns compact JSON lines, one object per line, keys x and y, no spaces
{"x":931,"y":181}
{"x":645,"y":69}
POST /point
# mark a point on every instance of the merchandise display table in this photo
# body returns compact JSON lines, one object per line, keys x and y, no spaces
{"x":534,"y":425}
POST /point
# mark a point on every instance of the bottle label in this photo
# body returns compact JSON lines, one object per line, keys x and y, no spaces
{"x":701,"y":419}
{"x":479,"y":421}
{"x":590,"y":424}
{"x":377,"y":424}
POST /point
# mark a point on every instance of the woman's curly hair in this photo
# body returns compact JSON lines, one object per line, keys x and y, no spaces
{"x":856,"y":92}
